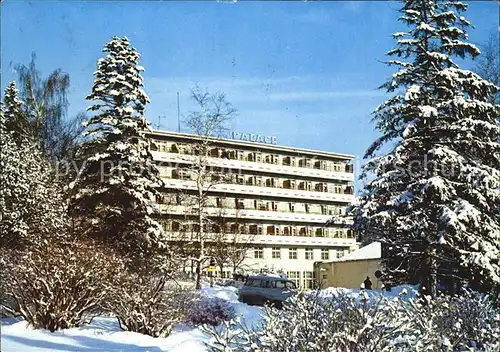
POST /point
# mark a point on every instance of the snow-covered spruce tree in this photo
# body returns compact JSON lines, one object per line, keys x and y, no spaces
{"x":15,"y":119}
{"x":118,"y":180}
{"x":434,"y":201}
{"x":31,"y":204}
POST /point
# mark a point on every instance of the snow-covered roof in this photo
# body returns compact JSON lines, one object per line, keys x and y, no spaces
{"x":371,"y":251}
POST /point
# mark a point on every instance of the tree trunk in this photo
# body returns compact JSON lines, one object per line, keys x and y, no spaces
{"x":428,"y":279}
{"x":199,"y":262}
{"x":198,"y":275}
{"x":432,"y":273}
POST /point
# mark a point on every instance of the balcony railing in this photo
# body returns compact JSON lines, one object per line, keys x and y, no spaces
{"x":179,"y":174}
{"x":187,"y":235}
{"x":221,"y":153}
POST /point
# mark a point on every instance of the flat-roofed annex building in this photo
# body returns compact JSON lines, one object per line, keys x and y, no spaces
{"x":280,"y":197}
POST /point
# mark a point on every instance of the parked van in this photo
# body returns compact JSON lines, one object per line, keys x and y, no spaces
{"x":260,"y":290}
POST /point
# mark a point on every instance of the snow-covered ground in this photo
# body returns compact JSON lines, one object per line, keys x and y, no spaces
{"x":104,"y":333}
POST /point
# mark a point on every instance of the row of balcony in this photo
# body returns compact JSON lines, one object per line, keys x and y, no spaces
{"x":258,"y":157}
{"x":236,"y":203}
{"x":258,"y":229}
{"x":261,"y":181}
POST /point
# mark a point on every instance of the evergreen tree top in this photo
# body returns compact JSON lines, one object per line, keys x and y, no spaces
{"x":437,"y":32}
{"x":13,"y":115}
{"x":12,"y":102}
{"x":118,"y":80}
{"x":118,"y":96}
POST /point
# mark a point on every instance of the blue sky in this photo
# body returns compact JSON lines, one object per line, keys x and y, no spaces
{"x":306,"y":72}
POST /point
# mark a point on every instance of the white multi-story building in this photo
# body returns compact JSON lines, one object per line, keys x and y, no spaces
{"x":279,"y":197}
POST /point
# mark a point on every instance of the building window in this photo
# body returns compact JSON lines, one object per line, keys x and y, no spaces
{"x":309,"y":254}
{"x":323,"y":210}
{"x":274,"y":206}
{"x":270,"y":182}
{"x":235,"y":227}
{"x":321,"y":187}
{"x":244,"y":229}
{"x":233,"y":154}
{"x":320,"y":232}
{"x":239,"y":203}
{"x":258,"y":181}
{"x":252,"y":229}
{"x":325,"y":255}
{"x":166,"y":226}
{"x":276,"y":253}
{"x":258,"y":157}
{"x":292,"y":253}
{"x":305,"y":162}
{"x":340,"y":253}
{"x":258,"y":253}
{"x":308,"y":280}
{"x":176,"y":226}
{"x":294,"y":276}
{"x":260,"y":205}
{"x":291,"y":207}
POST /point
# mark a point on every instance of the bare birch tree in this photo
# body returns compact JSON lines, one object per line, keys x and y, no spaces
{"x":488,"y":65}
{"x":209,"y":121}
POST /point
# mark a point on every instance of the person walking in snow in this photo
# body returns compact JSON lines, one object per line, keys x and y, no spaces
{"x":368,"y":283}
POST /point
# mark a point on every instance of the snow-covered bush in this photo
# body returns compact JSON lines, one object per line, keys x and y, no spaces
{"x":57,"y":285}
{"x":348,"y":323}
{"x":342,"y":323}
{"x":227,"y":336}
{"x":149,"y":304}
{"x":451,"y":323}
{"x":210,"y":310}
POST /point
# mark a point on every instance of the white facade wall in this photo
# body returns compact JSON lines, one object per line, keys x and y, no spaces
{"x":171,"y":155}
